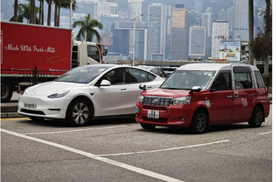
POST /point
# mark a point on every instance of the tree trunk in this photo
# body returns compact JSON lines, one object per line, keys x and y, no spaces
{"x":55,"y":15}
{"x":40,"y":13}
{"x":32,"y":18}
{"x":49,"y":13}
{"x":266,"y":66}
{"x":58,"y":19}
{"x":267,"y":31}
{"x":15,"y":10}
{"x":251,"y":30}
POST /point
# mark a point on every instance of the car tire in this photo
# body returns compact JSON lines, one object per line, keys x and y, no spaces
{"x":147,"y":126}
{"x":34,"y":118}
{"x":6,"y":91}
{"x":257,"y":117}
{"x":79,"y":113}
{"x":200,"y":122}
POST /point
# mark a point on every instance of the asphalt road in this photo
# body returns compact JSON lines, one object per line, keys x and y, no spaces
{"x":120,"y":150}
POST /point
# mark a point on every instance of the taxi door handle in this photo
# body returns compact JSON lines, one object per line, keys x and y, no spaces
{"x":229,"y":96}
{"x":123,"y":89}
{"x":149,"y":86}
{"x":236,"y":96}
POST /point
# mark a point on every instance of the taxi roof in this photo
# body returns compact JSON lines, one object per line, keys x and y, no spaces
{"x":212,"y":66}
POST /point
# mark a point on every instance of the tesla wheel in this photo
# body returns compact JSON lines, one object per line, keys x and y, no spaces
{"x":34,"y":118}
{"x":257,"y":117}
{"x":79,"y":113}
{"x":6,"y":91}
{"x":147,"y":126}
{"x":200,"y":122}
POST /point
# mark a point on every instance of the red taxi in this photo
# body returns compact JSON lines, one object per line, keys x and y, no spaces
{"x":197,"y":96}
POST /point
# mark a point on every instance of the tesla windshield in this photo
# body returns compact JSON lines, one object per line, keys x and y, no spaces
{"x":186,"y":79}
{"x":82,"y":74}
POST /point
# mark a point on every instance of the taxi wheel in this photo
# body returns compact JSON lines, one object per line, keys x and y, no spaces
{"x":79,"y":113}
{"x":147,"y":126}
{"x":257,"y":117}
{"x":200,"y":122}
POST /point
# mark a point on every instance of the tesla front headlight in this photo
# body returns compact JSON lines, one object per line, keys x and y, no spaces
{"x":59,"y":94}
{"x":182,"y":100}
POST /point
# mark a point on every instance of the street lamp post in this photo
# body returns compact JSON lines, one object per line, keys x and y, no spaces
{"x":70,"y":24}
{"x":134,"y":30}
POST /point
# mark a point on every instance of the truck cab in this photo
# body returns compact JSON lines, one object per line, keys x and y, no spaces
{"x":85,"y":53}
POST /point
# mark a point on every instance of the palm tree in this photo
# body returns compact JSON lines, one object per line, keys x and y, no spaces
{"x":87,"y":30}
{"x":15,"y":10}
{"x":62,"y":4}
{"x":49,"y":12}
{"x":41,"y":12}
{"x":24,"y":11}
{"x":57,"y":5}
{"x":33,"y":12}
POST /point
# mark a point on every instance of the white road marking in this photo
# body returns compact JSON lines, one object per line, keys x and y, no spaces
{"x":168,"y":149}
{"x":96,"y":157}
{"x":68,"y":131}
{"x":265,"y":133}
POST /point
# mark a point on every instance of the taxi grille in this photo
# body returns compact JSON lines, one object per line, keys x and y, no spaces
{"x":160,"y":120}
{"x":157,"y":101}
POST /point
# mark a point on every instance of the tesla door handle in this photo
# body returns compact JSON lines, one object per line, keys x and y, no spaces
{"x":236,"y":96}
{"x":229,"y":96}
{"x":123,"y":89}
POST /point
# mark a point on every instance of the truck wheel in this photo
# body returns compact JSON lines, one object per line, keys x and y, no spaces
{"x":79,"y":113}
{"x":147,"y":126}
{"x":6,"y":91}
{"x":257,"y":117}
{"x":200,"y":122}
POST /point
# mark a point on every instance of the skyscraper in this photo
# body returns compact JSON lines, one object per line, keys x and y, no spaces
{"x":207,"y":23}
{"x":241,"y":26}
{"x":157,"y":13}
{"x":135,"y":8}
{"x":104,"y":8}
{"x":179,"y":33}
{"x":220,"y":31}
{"x":197,"y":38}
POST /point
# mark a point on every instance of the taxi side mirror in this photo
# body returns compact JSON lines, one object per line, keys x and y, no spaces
{"x":195,"y":89}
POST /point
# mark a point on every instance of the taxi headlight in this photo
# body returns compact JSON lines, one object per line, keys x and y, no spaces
{"x":181,"y":100}
{"x":141,"y":98}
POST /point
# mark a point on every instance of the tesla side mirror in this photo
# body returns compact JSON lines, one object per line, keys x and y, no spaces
{"x":105,"y":83}
{"x":195,"y":89}
{"x":143,"y":87}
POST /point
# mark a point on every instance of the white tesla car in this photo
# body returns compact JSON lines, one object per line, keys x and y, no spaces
{"x":86,"y":92}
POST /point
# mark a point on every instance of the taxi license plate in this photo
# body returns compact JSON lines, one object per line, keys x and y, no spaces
{"x":33,"y":106}
{"x":153,"y":114}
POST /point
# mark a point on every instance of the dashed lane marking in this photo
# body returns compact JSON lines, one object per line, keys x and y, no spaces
{"x":168,"y":149}
{"x":78,"y":130}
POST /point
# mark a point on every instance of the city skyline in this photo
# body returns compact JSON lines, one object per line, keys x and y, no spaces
{"x":157,"y":34}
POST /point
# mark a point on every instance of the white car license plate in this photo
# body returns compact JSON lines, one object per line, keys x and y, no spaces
{"x":33,"y":106}
{"x":153,"y":114}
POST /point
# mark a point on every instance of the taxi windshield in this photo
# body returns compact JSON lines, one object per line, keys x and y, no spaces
{"x":187,"y":79}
